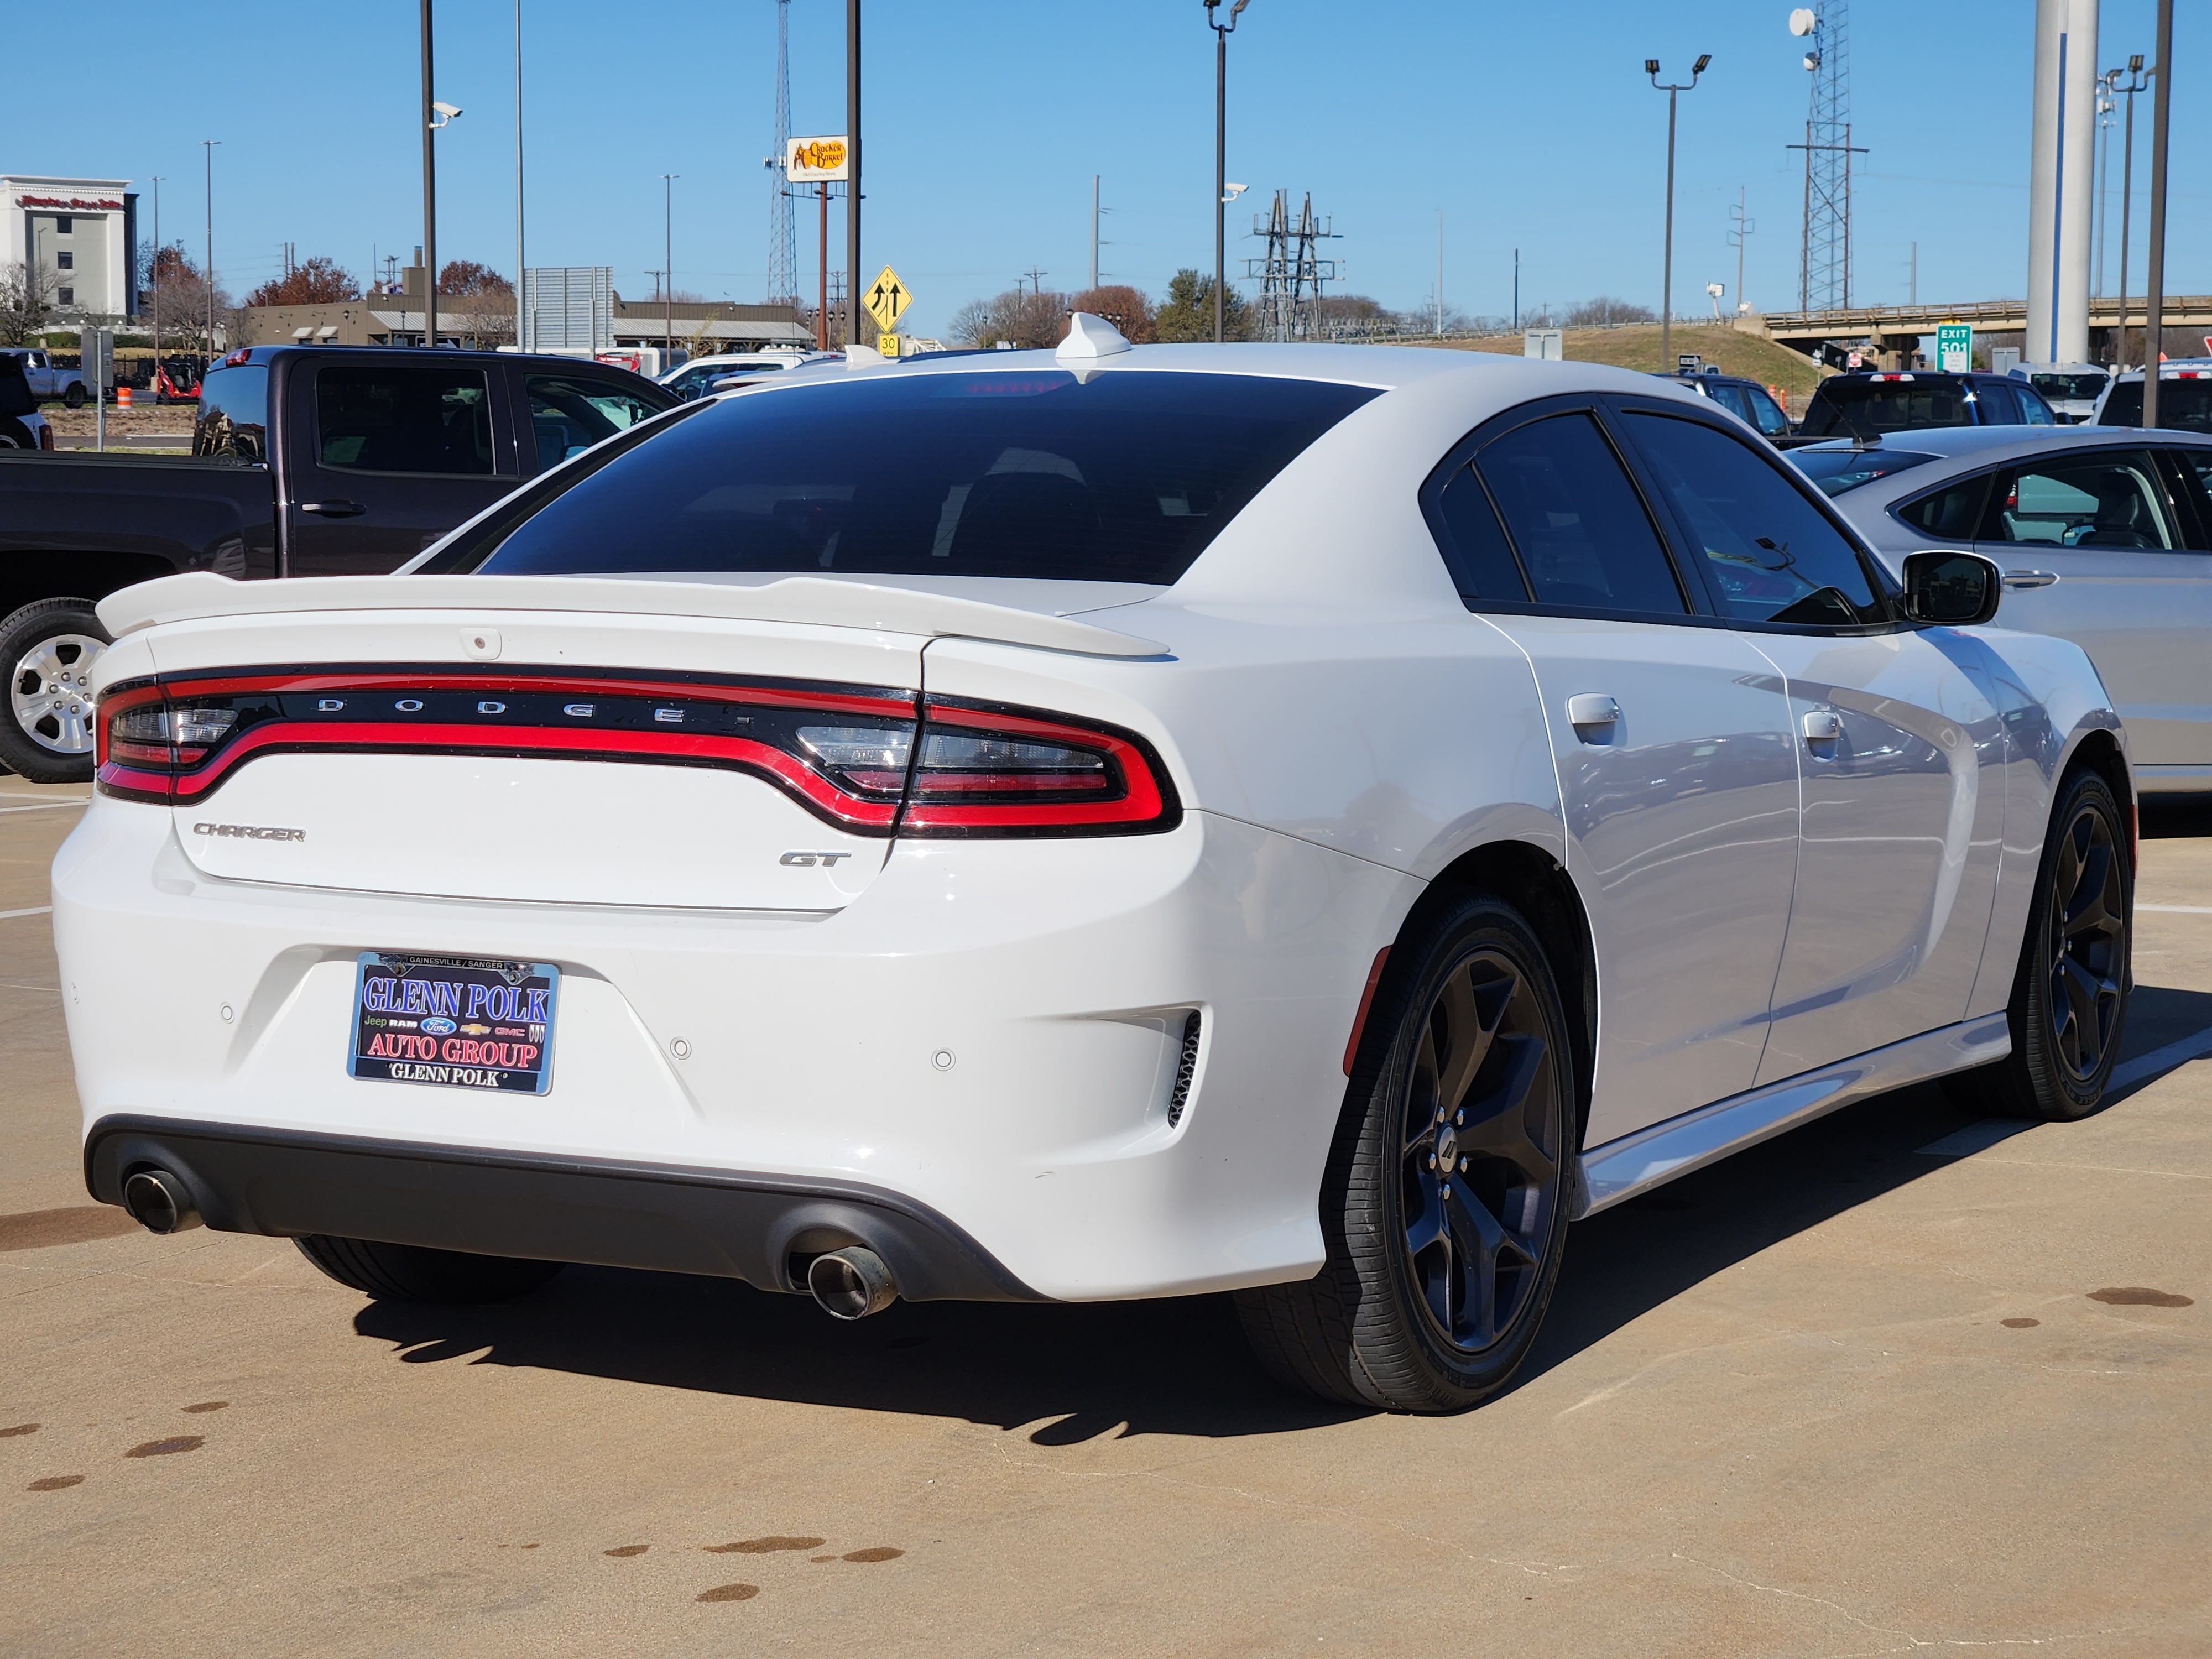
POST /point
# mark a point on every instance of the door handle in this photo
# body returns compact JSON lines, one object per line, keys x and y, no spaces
{"x":334,"y":509}
{"x":1821,"y":726}
{"x":1592,"y":709}
{"x":2030,"y":578}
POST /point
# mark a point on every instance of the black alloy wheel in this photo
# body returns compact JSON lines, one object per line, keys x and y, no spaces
{"x":2069,"y":1001}
{"x":1445,"y":1206}
{"x":2085,"y":936}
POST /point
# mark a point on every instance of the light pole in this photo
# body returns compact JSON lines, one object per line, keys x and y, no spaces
{"x":1221,"y":33}
{"x":429,"y":196}
{"x":2155,"y":283}
{"x":1666,"y":283}
{"x":154,"y":282}
{"x":2136,"y":82}
{"x":520,"y":343}
{"x":207,"y":150}
{"x":667,"y":268}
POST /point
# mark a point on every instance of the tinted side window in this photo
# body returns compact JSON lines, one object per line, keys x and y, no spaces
{"x":233,"y":422}
{"x":2033,"y":410}
{"x":1766,"y":414}
{"x":1954,"y":513}
{"x":2193,"y":469}
{"x":1730,"y":398}
{"x":2184,"y":405}
{"x":2105,"y":498}
{"x":1997,"y":403}
{"x":1577,"y":521}
{"x":403,"y":419}
{"x":569,"y":413}
{"x":1475,"y":549}
{"x":1772,"y":554}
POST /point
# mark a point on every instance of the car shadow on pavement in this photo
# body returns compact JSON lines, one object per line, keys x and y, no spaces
{"x":1176,"y":1366}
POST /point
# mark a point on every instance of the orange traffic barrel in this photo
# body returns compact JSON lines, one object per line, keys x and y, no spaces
{"x":123,"y":397}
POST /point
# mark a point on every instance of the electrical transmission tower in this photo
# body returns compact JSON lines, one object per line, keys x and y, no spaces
{"x":782,"y":234}
{"x":1824,"y":282}
{"x":1291,"y":273}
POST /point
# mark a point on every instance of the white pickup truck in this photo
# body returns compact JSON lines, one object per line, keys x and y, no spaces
{"x":49,"y":383}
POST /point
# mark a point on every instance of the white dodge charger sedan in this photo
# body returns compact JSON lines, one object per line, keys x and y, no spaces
{"x":1303,"y":821}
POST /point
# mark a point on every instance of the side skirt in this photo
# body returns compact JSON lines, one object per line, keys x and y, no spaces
{"x":1650,"y":1158}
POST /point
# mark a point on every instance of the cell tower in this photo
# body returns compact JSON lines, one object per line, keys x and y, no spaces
{"x":1291,"y":273}
{"x":782,"y":234}
{"x":1824,"y":282}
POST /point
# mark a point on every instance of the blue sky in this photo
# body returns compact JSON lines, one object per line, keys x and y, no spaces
{"x":1527,"y":126}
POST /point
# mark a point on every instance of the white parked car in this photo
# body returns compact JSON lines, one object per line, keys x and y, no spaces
{"x":702,"y":376}
{"x":2104,"y":539}
{"x":2070,"y":389}
{"x":1303,"y":821}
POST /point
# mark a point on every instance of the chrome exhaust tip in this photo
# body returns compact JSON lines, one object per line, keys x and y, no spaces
{"x":160,"y":1202}
{"x":851,"y":1282}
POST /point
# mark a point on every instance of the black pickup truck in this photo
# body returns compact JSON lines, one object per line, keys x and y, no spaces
{"x":306,"y":461}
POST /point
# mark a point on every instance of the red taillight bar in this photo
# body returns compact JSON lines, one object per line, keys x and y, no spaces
{"x":1143,"y":800}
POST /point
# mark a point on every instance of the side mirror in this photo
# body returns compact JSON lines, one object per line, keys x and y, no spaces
{"x":1959,"y":589}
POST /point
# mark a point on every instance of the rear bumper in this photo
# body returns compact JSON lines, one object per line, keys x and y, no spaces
{"x":761,"y":1229}
{"x":992,"y":1034}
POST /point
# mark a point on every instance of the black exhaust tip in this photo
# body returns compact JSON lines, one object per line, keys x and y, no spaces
{"x":851,"y":1282}
{"x":160,"y":1202}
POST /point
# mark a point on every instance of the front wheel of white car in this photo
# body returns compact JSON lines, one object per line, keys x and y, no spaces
{"x":1446,"y":1203}
{"x":2069,"y":999}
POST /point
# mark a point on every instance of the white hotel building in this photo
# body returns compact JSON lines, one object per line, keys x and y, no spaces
{"x":80,"y":233}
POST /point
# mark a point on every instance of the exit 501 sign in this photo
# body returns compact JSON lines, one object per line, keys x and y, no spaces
{"x":1954,"y":347}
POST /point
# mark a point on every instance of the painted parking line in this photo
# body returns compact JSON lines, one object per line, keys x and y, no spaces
{"x":35,"y":910}
{"x":2178,"y":910}
{"x":2158,"y":1060}
{"x":43,"y":806}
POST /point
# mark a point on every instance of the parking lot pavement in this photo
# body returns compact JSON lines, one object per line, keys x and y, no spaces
{"x":1899,"y":1380}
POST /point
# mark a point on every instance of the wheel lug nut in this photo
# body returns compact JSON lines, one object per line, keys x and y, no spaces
{"x":1459,"y":1121}
{"x":1463,"y":1166}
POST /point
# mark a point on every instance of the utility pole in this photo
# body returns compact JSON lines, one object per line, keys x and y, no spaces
{"x":2102,"y":211}
{"x":2161,"y":112}
{"x":429,"y":196}
{"x":1440,"y":273}
{"x":668,"y":266}
{"x":853,"y":180}
{"x":822,"y":306}
{"x":1094,"y":230}
{"x":207,"y":150}
{"x":1912,"y":277}
{"x":1036,"y":279}
{"x":522,"y":343}
{"x":1516,"y":289}
{"x":1674,"y":91}
{"x":1739,"y":228}
{"x":1221,"y":33}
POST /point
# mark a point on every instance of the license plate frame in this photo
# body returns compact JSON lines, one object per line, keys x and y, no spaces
{"x":457,"y":1022}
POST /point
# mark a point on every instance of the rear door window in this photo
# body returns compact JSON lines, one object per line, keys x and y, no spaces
{"x":231,"y":422}
{"x":569,"y":413}
{"x":1475,"y":549}
{"x":1771,"y":554}
{"x":1998,"y":406}
{"x":2192,"y":472}
{"x":1576,"y":520}
{"x":433,"y":419}
{"x":1952,"y":514}
{"x":2108,"y":498}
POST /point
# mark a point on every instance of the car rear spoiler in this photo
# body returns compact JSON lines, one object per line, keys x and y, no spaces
{"x":202,"y":594}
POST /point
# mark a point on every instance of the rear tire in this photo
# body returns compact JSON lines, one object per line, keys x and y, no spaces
{"x":1444,"y":1206}
{"x":413,"y":1272}
{"x":2070,"y":999}
{"x":48,"y":650}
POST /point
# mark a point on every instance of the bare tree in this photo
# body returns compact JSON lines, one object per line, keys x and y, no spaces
{"x":1605,"y":310}
{"x":27,"y":293}
{"x":1020,"y":316}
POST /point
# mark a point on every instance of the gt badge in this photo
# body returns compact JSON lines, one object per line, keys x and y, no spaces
{"x":827,"y":861}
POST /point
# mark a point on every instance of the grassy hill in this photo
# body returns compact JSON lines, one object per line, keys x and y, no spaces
{"x":1639,"y":348}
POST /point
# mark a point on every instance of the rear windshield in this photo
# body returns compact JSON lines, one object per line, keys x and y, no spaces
{"x":1852,"y":408}
{"x":1025,"y":472}
{"x":1837,"y":471}
{"x":2185,"y":405}
{"x":233,"y":422}
{"x":2079,"y":388}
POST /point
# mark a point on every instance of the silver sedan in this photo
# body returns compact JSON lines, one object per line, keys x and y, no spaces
{"x":2104,"y":537}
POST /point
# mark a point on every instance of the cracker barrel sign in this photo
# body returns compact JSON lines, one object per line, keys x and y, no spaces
{"x":817,"y":160}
